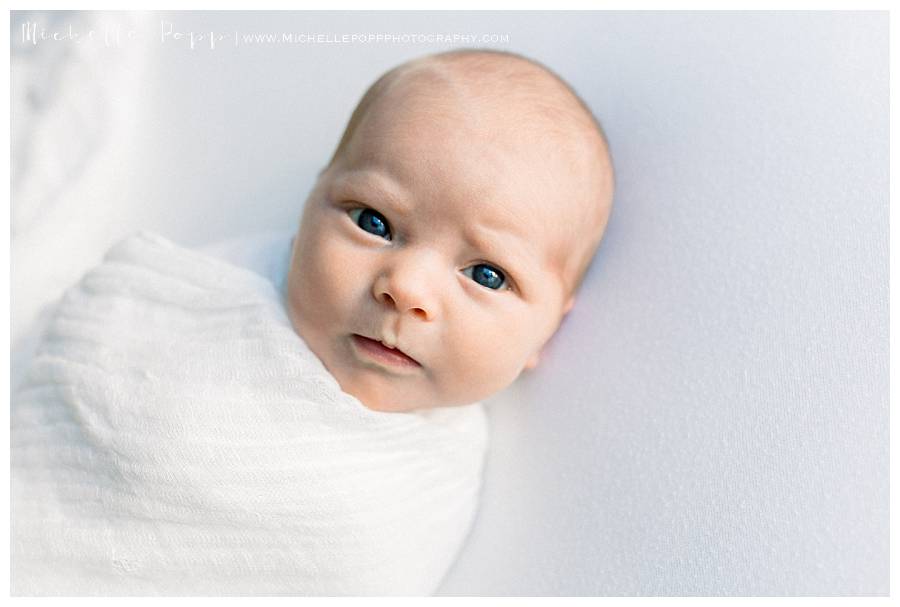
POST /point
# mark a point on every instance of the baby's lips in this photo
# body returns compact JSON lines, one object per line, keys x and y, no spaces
{"x":398,"y":350}
{"x":394,"y":350}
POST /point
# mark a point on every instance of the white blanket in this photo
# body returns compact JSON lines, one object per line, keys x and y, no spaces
{"x":174,"y":435}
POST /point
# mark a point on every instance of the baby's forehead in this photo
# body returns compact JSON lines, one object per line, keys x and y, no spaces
{"x":493,"y":130}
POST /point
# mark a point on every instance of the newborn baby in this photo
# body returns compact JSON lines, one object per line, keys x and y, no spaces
{"x":188,"y":428}
{"x":445,"y":241}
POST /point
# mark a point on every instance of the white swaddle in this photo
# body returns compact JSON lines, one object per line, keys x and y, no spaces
{"x":174,"y":435}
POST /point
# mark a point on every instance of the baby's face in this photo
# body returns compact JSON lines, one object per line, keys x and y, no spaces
{"x":428,"y":236}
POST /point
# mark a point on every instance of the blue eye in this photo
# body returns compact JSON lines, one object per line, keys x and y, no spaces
{"x":487,"y":276}
{"x":371,"y":221}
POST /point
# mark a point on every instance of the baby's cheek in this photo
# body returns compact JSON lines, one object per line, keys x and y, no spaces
{"x":344,"y":274}
{"x":485,"y":363}
{"x":317,"y":284}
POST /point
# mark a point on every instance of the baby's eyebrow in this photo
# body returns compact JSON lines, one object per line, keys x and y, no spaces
{"x":505,"y":248}
{"x":363,"y":184}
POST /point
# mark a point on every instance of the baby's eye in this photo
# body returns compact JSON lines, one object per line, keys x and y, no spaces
{"x":486,"y":276}
{"x":371,"y":221}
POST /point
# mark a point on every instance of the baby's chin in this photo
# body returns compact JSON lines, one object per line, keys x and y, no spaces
{"x":380,"y":393}
{"x":390,"y":394}
{"x":383,"y":405}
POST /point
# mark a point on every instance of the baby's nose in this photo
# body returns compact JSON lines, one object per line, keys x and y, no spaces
{"x":409,"y":285}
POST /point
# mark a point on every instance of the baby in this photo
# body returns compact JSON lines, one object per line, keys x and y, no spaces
{"x":174,"y":435}
{"x":445,"y":240}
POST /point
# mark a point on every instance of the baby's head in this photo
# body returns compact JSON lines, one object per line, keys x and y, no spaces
{"x":453,"y":224}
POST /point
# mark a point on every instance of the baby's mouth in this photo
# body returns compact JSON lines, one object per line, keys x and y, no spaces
{"x":382,"y":353}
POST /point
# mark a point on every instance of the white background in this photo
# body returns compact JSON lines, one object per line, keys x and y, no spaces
{"x":712,"y":418}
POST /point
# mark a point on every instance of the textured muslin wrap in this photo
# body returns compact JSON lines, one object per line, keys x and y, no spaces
{"x":174,"y":435}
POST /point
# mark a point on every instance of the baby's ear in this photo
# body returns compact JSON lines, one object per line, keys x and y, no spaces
{"x":533,"y":361}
